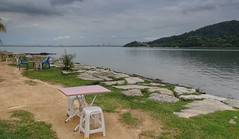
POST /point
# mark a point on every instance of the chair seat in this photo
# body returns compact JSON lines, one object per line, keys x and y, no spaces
{"x":85,"y":121}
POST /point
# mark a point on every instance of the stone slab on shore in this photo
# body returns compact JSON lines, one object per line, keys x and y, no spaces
{"x":134,"y":80}
{"x":202,"y":96}
{"x":163,"y":98}
{"x":182,"y":90}
{"x":131,"y":87}
{"x":114,"y":82}
{"x":133,"y":92}
{"x":232,"y":102}
{"x":162,"y":91}
{"x":203,"y":107}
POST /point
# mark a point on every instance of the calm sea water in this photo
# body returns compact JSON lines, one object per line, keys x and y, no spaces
{"x":215,"y":71}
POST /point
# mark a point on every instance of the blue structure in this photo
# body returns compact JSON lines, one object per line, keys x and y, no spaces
{"x":22,"y":63}
{"x":47,"y":62}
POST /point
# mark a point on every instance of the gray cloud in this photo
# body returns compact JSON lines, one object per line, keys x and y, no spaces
{"x":206,"y":5}
{"x":34,"y":7}
{"x":104,"y":21}
{"x":60,"y":2}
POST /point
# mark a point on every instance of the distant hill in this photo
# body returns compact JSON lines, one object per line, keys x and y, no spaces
{"x":224,"y":34}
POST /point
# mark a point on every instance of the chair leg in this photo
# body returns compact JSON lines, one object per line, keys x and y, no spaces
{"x":27,"y":66}
{"x":49,"y":66}
{"x":19,"y":66}
{"x":42,"y":65}
{"x":87,"y":127}
{"x":103,"y":123}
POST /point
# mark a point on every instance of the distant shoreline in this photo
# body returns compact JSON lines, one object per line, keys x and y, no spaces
{"x":61,"y":46}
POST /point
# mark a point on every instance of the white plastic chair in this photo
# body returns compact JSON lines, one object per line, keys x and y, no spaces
{"x":86,"y":115}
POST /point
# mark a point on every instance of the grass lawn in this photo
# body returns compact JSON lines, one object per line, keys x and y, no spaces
{"x":214,"y":125}
{"x":25,"y":127}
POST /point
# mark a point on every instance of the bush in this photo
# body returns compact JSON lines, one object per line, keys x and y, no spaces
{"x":67,"y":61}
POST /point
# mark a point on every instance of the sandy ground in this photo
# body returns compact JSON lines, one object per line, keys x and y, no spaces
{"x":49,"y":105}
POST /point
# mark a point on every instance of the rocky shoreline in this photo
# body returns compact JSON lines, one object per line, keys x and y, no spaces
{"x":134,"y":85}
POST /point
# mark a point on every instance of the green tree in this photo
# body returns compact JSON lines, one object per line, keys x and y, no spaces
{"x":2,"y":27}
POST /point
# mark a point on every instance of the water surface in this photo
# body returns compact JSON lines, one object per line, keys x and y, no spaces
{"x":215,"y":71}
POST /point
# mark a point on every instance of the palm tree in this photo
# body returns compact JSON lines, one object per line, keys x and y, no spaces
{"x":2,"y":27}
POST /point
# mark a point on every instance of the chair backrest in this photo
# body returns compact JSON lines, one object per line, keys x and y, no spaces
{"x":20,"y":59}
{"x":48,"y":59}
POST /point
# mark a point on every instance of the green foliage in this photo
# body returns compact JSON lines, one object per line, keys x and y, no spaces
{"x":135,"y":44}
{"x":67,"y":61}
{"x":2,"y":27}
{"x":224,"y":34}
{"x":25,"y":127}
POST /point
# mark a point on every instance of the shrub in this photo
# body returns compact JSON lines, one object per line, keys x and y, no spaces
{"x":67,"y":61}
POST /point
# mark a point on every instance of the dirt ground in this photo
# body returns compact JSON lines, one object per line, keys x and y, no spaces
{"x":49,"y":105}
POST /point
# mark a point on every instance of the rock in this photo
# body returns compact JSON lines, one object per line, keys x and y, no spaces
{"x":203,"y":96}
{"x":101,"y":72}
{"x":156,"y":84}
{"x":133,"y":80}
{"x":120,"y":75}
{"x":131,"y":87}
{"x":163,"y":98}
{"x":114,"y":82}
{"x":81,"y":71}
{"x":182,"y":90}
{"x":161,"y":90}
{"x":66,"y":72}
{"x":88,"y":76}
{"x":104,"y":78}
{"x":232,"y":102}
{"x":232,"y":122}
{"x":133,"y":92}
{"x":79,"y":66}
{"x":203,"y":107}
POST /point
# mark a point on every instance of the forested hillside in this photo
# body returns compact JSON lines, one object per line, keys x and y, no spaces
{"x":224,"y":34}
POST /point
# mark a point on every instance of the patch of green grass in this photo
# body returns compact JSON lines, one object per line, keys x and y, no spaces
{"x":213,"y":125}
{"x":31,"y":82}
{"x":55,"y":75}
{"x":130,"y":121}
{"x":25,"y":127}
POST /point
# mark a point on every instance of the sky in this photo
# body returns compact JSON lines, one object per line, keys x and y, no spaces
{"x":107,"y":22}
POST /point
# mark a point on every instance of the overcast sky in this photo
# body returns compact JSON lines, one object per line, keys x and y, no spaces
{"x":115,"y":22}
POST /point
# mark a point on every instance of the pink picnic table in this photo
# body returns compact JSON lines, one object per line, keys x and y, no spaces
{"x":84,"y":90}
{"x":81,"y":91}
